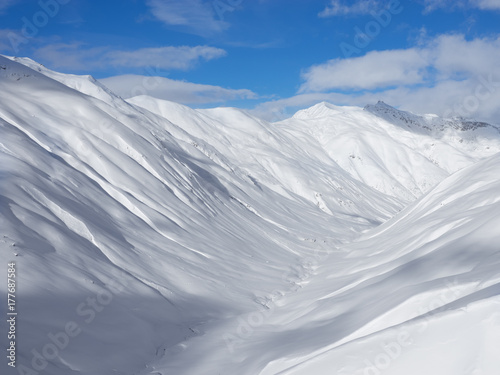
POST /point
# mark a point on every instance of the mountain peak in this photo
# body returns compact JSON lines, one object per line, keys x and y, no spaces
{"x":425,"y":123}
{"x":380,"y":106}
{"x":399,"y":117}
{"x":322,"y":109}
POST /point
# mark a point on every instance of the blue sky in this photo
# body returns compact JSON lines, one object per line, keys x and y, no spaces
{"x":272,"y":56}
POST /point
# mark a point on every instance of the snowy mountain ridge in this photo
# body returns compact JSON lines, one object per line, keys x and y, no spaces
{"x":395,"y":152}
{"x":428,"y":122}
{"x":183,"y":241}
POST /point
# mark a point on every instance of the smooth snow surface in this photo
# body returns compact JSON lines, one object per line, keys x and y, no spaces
{"x":179,"y":241}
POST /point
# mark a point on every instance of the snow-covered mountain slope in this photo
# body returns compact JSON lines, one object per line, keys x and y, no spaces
{"x":151,"y":238}
{"x":398,"y":153}
{"x":419,"y":294}
{"x":286,"y":164}
{"x":97,"y":191}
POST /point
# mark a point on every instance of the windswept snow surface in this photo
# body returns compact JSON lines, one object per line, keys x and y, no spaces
{"x":151,"y":238}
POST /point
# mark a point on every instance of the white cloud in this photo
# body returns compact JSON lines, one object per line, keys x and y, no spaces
{"x":70,"y":56}
{"x":453,"y":55}
{"x":194,"y":16}
{"x":448,"y":76}
{"x":165,"y":57}
{"x":446,"y":57}
{"x":74,"y":56}
{"x":128,"y":86}
{"x":4,"y":4}
{"x":488,"y":4}
{"x":359,"y":7}
{"x":374,"y":70}
{"x":431,"y":5}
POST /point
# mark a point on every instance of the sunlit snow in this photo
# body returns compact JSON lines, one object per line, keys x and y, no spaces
{"x":170,"y":240}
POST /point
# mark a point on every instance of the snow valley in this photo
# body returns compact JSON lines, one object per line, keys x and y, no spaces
{"x":152,"y":238}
